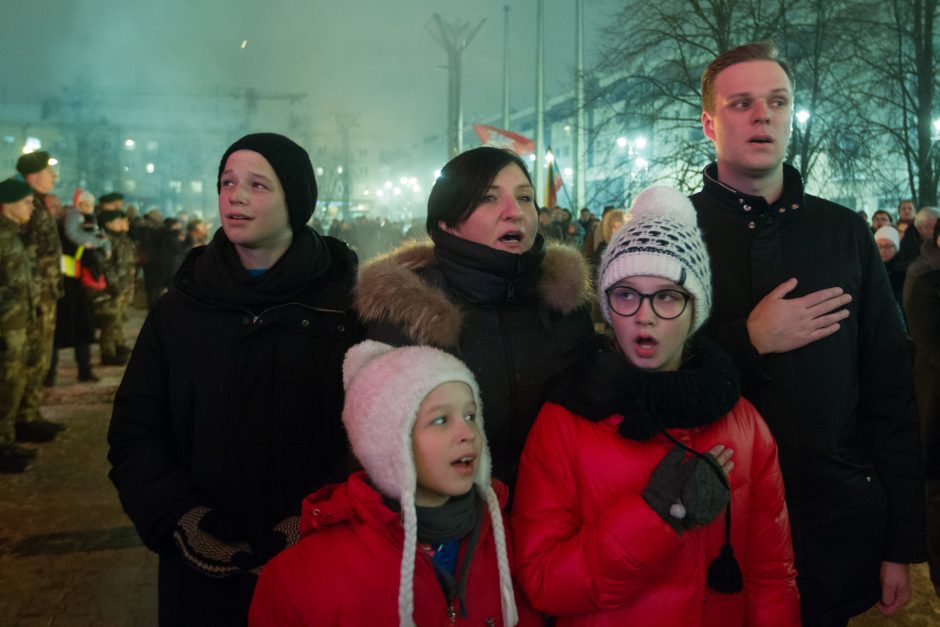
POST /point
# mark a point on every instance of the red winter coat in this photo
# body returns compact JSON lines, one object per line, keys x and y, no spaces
{"x":591,"y":551}
{"x":345,"y":569}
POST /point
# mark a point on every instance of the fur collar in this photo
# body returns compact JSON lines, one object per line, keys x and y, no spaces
{"x":401,"y":288}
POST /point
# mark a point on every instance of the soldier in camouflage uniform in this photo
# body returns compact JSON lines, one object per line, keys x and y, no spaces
{"x":45,"y":251}
{"x":120,"y":273}
{"x":19,"y":299}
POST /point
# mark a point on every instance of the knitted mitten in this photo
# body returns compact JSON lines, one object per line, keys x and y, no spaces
{"x":687,"y":492}
{"x":206,"y":552}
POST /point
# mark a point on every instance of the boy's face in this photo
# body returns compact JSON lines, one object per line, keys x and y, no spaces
{"x":447,"y":444}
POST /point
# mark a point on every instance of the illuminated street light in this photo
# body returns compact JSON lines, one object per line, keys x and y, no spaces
{"x":437,"y":174}
{"x":936,"y":125}
{"x":339,"y":169}
{"x":32,"y":145}
{"x":549,"y":158}
{"x":801,"y":116}
{"x":130,"y":144}
{"x":532,"y":157}
{"x":640,"y":143}
{"x":641,"y":163}
{"x":622,"y":142}
{"x":319,"y":171}
{"x":569,"y":171}
{"x":388,"y":185}
{"x":149,"y":168}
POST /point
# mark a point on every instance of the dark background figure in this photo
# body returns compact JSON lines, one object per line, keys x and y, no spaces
{"x":44,"y":247}
{"x":18,"y":302}
{"x":488,"y":289}
{"x":229,"y":411}
{"x":924,"y":325}
{"x":85,"y":250}
{"x":928,"y":259}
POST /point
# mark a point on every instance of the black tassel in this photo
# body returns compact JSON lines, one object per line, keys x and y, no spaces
{"x":724,"y":573}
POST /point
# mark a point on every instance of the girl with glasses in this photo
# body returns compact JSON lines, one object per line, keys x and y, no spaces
{"x":649,"y":491}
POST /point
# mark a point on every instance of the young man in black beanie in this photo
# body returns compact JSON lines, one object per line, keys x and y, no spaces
{"x":229,"y":411}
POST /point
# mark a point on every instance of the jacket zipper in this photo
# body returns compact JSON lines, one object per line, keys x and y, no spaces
{"x":451,"y":614}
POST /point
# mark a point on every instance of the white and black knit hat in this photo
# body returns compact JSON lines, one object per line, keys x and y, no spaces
{"x":661,"y":238}
{"x":385,"y":387}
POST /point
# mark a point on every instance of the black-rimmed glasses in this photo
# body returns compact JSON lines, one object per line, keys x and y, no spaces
{"x":667,"y":304}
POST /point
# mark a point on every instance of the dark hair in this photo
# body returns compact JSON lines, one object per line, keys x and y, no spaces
{"x":756,"y":51}
{"x":890,"y":217}
{"x":464,"y":181}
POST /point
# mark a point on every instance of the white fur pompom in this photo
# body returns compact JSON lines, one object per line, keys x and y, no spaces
{"x":663,"y":201}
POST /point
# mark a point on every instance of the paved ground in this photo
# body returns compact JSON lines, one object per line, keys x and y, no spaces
{"x":69,"y":556}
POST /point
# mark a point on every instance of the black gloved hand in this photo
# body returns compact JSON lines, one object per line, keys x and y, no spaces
{"x":687,"y":492}
{"x":208,"y":553}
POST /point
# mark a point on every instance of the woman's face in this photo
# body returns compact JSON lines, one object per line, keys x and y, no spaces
{"x":507,"y":218}
{"x":646,"y":340}
{"x":252,"y":207}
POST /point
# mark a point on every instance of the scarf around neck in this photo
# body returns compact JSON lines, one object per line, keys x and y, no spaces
{"x":485,"y":276}
{"x":218,"y":276}
{"x":604,"y":383}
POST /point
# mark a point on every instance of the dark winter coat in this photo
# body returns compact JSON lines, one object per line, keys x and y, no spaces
{"x":591,"y":551}
{"x":842,"y":409}
{"x":232,"y":400}
{"x":924,"y":324}
{"x":515,"y":320}
{"x":346,"y":568}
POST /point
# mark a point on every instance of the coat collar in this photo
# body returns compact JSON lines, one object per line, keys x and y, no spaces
{"x":742,"y":204}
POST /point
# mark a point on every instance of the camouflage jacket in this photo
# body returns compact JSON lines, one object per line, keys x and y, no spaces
{"x":45,"y":252}
{"x":18,"y":295}
{"x":120,"y":270}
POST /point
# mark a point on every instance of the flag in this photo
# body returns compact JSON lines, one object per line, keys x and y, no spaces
{"x":501,"y":138}
{"x":553,"y":180}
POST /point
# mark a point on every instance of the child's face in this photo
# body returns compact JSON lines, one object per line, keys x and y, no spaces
{"x":447,"y":444}
{"x":646,"y":340}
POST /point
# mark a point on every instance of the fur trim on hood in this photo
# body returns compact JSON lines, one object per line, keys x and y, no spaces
{"x":394,"y":289}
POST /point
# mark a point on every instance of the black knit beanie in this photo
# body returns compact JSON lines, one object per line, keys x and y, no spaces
{"x":292,"y":165}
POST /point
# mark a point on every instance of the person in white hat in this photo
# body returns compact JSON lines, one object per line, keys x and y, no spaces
{"x":417,"y":537}
{"x":645,"y":454}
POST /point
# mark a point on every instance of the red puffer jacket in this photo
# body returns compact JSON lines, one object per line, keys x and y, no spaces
{"x":590,"y":551}
{"x":345,"y":569}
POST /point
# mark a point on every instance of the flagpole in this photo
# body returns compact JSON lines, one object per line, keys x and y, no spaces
{"x":539,"y":165}
{"x":580,"y":151}
{"x":506,"y":70}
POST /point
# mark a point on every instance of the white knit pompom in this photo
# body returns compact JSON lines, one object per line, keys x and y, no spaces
{"x":663,"y":201}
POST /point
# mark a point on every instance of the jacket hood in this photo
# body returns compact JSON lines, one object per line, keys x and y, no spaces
{"x":399,"y":288}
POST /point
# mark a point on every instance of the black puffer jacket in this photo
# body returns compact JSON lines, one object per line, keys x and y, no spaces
{"x":232,"y":400}
{"x":842,"y":409}
{"x":514,"y":319}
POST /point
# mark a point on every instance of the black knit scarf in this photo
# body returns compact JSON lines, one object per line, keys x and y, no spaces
{"x":604,"y":383}
{"x":485,"y":276}
{"x":220,"y":279}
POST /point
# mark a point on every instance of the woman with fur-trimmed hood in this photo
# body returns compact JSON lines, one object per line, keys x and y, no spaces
{"x":488,"y":289}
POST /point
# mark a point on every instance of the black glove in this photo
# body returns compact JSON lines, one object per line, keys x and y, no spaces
{"x":687,"y":492}
{"x":208,"y":553}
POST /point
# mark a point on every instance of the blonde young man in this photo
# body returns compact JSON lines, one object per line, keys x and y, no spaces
{"x":803,"y":304}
